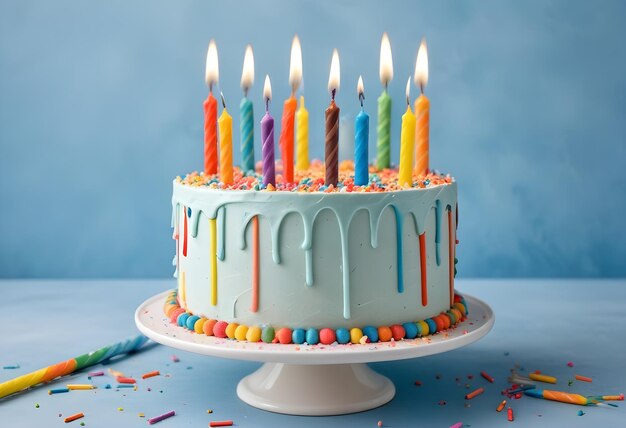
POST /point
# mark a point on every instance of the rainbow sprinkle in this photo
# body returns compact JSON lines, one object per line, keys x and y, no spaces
{"x":312,"y":180}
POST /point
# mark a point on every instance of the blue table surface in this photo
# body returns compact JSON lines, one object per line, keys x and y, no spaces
{"x":540,"y":325}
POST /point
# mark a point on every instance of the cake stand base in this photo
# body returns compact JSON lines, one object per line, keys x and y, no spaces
{"x":315,"y":390}
{"x":313,"y":379}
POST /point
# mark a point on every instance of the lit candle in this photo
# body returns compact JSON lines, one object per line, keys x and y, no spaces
{"x":285,"y":141}
{"x":422,"y":111}
{"x":407,"y":140}
{"x":302,"y":134}
{"x":361,"y":133}
{"x":331,"y":148}
{"x":210,"y":112}
{"x":246,"y":113}
{"x":267,"y":136}
{"x":383,"y":155}
{"x":225,"y":123}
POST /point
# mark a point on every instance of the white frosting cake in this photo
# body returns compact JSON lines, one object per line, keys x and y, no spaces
{"x":315,"y":259}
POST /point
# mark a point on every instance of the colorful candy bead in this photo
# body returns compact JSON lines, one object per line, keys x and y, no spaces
{"x":284,"y":335}
{"x":240,"y":332}
{"x":410,"y":330}
{"x":298,"y":336}
{"x":208,"y":326}
{"x":312,"y":336}
{"x":267,"y":335}
{"x":219,"y":329}
{"x":397,"y":332}
{"x":182,"y":319}
{"x":371,"y":333}
{"x":175,"y":314}
{"x":355,"y":335}
{"x":432,"y":326}
{"x":254,"y":334}
{"x":197,"y":327}
{"x":191,"y":321}
{"x":327,"y":336}
{"x":384,"y":333}
{"x":230,"y":330}
{"x":343,"y":335}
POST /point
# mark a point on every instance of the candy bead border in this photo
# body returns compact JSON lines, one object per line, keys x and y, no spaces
{"x":313,"y":336}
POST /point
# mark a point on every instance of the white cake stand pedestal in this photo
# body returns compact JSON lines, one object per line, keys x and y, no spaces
{"x":313,"y":380}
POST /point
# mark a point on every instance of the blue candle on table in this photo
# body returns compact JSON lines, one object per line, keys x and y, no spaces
{"x":246,"y":114}
{"x":361,"y":133}
{"x":267,"y":136}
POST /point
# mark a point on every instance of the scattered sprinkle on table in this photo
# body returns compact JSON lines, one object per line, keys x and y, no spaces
{"x":418,"y":383}
{"x":228,"y":423}
{"x":542,"y":378}
{"x":580,"y":413}
{"x":14,"y":367}
{"x":209,"y":411}
{"x":457,"y":425}
{"x":150,"y":374}
{"x":175,"y":358}
{"x":380,"y":423}
{"x":141,"y":415}
{"x":156,"y":419}
{"x":570,"y":364}
{"x":74,"y":417}
{"x":583,"y":378}
{"x":125,"y":385}
{"x":501,"y":406}
{"x":79,"y":386}
{"x":36,"y":405}
{"x":474,"y":393}
{"x":94,"y":374}
{"x":58,"y":390}
{"x":509,"y":413}
{"x":122,"y":379}
{"x":486,"y":376}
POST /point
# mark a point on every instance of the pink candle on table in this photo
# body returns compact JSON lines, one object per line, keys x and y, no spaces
{"x":267,"y":137}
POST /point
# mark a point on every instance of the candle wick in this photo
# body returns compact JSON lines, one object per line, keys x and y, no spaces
{"x":211,"y":88}
{"x":267,"y":104}
{"x":245,"y":92}
{"x":422,"y":88}
{"x":333,"y":92}
{"x":223,"y":101}
{"x":386,"y":85}
{"x":361,"y":98}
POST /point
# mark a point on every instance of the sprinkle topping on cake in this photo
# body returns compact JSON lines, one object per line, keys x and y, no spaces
{"x":312,"y":180}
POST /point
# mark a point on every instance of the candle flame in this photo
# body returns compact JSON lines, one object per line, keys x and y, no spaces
{"x":247,"y":75}
{"x":295,"y":64}
{"x":267,"y":89}
{"x":359,"y":87}
{"x":408,"y":91}
{"x":386,"y":63}
{"x":212,"y":75}
{"x":421,"y":66}
{"x":334,"y":77}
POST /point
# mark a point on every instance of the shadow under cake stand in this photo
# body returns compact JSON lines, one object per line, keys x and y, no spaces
{"x":313,"y":380}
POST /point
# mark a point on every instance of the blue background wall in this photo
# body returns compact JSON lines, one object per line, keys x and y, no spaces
{"x":101,"y":106}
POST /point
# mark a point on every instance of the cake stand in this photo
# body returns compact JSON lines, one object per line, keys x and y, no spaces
{"x":313,"y":380}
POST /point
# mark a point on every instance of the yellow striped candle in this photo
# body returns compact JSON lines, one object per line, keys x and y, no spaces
{"x":302,"y":136}
{"x":225,"y":123}
{"x":407,"y":139}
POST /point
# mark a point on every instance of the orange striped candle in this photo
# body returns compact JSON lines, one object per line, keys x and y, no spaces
{"x":422,"y":112}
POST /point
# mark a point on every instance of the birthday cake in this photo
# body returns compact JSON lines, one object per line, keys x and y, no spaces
{"x":347,"y":253}
{"x":254,"y":262}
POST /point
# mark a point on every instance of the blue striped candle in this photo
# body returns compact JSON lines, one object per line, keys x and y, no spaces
{"x":247,"y":135}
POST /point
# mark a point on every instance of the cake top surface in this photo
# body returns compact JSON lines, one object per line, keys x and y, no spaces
{"x":312,"y":180}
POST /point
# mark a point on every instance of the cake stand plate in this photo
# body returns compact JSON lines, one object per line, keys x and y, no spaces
{"x":317,"y":379}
